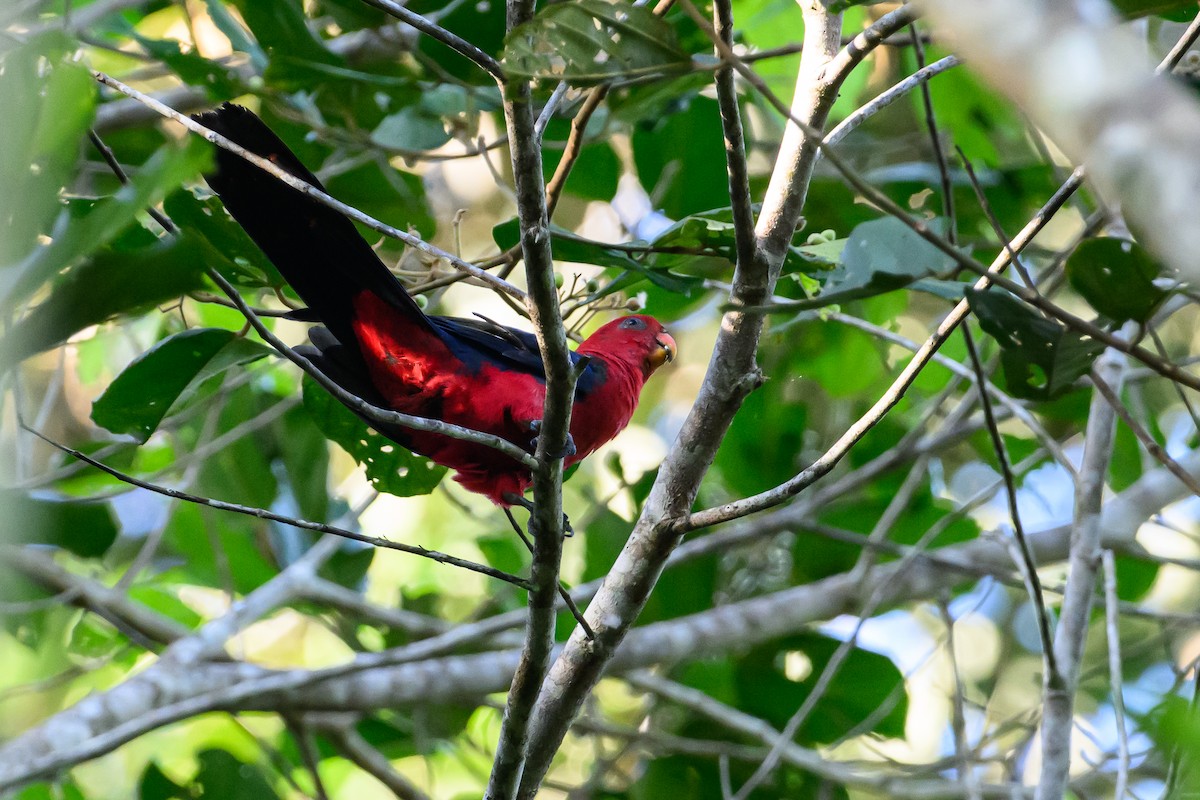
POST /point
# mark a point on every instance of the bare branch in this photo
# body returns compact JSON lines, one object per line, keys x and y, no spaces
{"x":437,"y":32}
{"x":1086,"y":537}
{"x":546,"y":517}
{"x":409,"y":676}
{"x":262,"y":513}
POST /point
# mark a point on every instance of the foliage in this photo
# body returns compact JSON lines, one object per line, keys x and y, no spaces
{"x":118,"y":343}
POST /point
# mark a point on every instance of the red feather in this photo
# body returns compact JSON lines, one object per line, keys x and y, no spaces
{"x":378,"y":345}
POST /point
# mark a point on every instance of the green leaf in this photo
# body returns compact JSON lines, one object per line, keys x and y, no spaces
{"x":390,"y":467}
{"x":1142,"y":8}
{"x":155,"y":785}
{"x":40,"y":131}
{"x":410,"y":129}
{"x":590,"y":41}
{"x":238,"y":258}
{"x":863,"y":686}
{"x":1116,"y":276}
{"x":282,"y":30}
{"x":111,"y":282}
{"x":826,"y":253}
{"x":1135,"y":577}
{"x":166,"y":376}
{"x":222,"y":775}
{"x":204,"y":543}
{"x":160,"y":599}
{"x":1041,"y":357}
{"x":385,"y":193}
{"x":595,"y":174}
{"x":93,"y":637}
{"x":680,"y":157}
{"x":227,"y":24}
{"x":217,"y":80}
{"x":885,"y":254}
{"x":304,"y":452}
{"x":73,"y":238}
{"x":87,"y":529}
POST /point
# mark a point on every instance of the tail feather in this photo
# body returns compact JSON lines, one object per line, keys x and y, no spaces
{"x":318,"y":250}
{"x":344,"y":366}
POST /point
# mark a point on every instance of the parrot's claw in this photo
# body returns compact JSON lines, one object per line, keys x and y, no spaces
{"x":569,"y":449}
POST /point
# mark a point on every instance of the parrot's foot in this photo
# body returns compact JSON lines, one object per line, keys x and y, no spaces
{"x":569,"y":449}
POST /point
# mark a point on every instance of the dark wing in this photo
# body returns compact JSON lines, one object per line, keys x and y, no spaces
{"x":481,"y":341}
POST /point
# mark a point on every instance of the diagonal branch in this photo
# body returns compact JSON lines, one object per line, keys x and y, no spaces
{"x":437,"y":32}
{"x":408,"y":676}
{"x":291,"y":180}
{"x":262,"y":513}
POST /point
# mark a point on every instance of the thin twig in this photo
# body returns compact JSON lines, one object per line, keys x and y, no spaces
{"x":935,"y":140}
{"x":1152,"y":447}
{"x":263,"y":513}
{"x":962,"y":750}
{"x":1026,"y":563}
{"x":306,"y":188}
{"x":438,"y":33}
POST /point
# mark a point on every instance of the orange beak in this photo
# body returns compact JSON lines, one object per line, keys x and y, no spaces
{"x":666,"y":350}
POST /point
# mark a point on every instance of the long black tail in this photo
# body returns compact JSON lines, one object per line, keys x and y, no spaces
{"x":316,"y":249}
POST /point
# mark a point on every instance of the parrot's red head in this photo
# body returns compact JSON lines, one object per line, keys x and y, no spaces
{"x":638,"y":339}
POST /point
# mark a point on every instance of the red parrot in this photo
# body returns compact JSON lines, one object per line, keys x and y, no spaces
{"x":375,"y":341}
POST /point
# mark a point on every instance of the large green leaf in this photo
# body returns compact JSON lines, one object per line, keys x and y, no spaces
{"x":166,"y":376}
{"x":680,"y":157}
{"x":590,"y":41}
{"x":304,"y":452}
{"x":390,"y":467}
{"x":1041,"y":358}
{"x":86,"y":528}
{"x":219,"y":81}
{"x":862,"y":689}
{"x":48,"y":103}
{"x":282,"y":30}
{"x":222,"y":775}
{"x":886,"y":254}
{"x":75,"y":237}
{"x":111,"y":282}
{"x":411,"y":128}
{"x":1116,"y":276}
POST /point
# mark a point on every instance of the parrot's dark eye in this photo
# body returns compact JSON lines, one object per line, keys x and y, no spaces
{"x":634,"y":323}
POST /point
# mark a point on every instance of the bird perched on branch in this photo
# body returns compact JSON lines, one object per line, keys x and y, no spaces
{"x":375,"y":341}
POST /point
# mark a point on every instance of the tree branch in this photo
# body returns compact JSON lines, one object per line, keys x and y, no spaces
{"x":1086,"y":536}
{"x":408,"y":676}
{"x":732,"y":374}
{"x":546,"y":517}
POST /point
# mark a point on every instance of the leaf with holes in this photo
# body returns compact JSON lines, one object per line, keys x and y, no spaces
{"x":591,"y":41}
{"x":1116,"y":276}
{"x":389,"y":466}
{"x":1042,"y":359}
